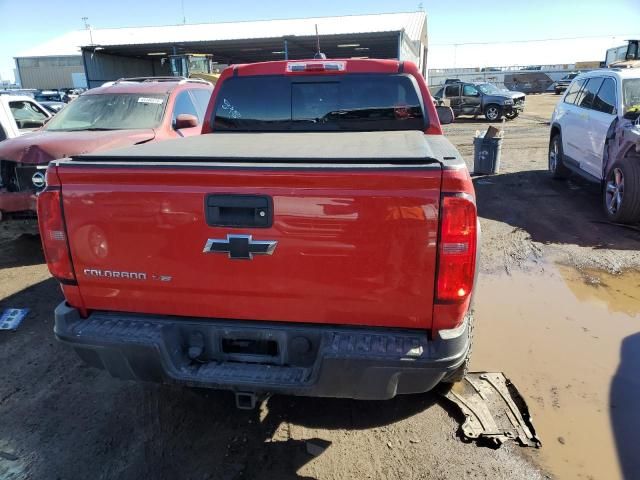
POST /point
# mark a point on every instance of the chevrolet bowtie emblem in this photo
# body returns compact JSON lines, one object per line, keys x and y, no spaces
{"x":240,"y":246}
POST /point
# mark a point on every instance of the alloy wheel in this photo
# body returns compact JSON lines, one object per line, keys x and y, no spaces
{"x":553,"y":155}
{"x":614,"y":191}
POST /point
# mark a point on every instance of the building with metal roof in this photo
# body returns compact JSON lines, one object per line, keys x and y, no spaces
{"x":111,"y":53}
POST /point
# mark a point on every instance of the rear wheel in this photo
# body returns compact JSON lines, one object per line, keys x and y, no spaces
{"x":621,"y":192}
{"x":556,"y":163}
{"x":493,"y":112}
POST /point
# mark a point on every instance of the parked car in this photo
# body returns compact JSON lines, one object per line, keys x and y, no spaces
{"x":320,"y":239}
{"x":20,"y":114}
{"x":52,"y":107}
{"x":562,"y":84}
{"x":50,"y":96}
{"x":481,"y":98}
{"x":594,"y":133}
{"x":126,"y":113}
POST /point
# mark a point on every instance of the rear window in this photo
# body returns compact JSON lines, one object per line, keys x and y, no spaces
{"x":319,"y":103}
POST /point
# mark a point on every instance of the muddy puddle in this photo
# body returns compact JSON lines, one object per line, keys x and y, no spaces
{"x":570,"y":342}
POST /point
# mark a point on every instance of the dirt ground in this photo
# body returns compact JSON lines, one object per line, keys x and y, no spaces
{"x":557,"y":307}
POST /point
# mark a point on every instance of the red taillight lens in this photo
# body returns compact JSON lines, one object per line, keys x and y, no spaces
{"x":457,"y":248}
{"x":54,"y":235}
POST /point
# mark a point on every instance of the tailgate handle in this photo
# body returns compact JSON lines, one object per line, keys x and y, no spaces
{"x":230,"y":210}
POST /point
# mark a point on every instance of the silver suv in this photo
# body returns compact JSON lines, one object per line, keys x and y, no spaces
{"x":595,"y":133}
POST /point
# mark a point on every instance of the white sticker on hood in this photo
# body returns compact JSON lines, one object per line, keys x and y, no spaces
{"x":157,"y":101}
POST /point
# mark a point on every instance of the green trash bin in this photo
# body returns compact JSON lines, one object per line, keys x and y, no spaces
{"x":486,"y":155}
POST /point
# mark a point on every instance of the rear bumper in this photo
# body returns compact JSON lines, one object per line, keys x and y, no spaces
{"x":310,"y":360}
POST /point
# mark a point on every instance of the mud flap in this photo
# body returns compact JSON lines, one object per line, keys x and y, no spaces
{"x":494,"y":411}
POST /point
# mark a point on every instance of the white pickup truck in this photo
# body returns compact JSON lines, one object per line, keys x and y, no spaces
{"x":20,"y":114}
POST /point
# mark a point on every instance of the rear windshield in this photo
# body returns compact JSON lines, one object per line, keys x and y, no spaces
{"x":110,"y":111}
{"x":319,"y":103}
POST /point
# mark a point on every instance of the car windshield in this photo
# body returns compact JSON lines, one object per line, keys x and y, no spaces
{"x":488,"y":88}
{"x":631,"y":93}
{"x":338,"y":103}
{"x":117,"y":111}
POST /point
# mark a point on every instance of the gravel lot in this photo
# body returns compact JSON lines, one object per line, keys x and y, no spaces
{"x":554,"y":305}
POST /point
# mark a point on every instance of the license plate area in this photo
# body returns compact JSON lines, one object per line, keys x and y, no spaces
{"x":255,"y":343}
{"x":250,"y":346}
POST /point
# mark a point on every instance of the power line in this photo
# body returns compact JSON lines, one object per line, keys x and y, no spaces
{"x":533,"y":40}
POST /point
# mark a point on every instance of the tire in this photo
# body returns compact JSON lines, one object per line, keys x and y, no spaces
{"x":493,"y":112}
{"x":512,"y":114}
{"x":557,"y":167}
{"x":621,"y":191}
{"x":558,"y":92}
{"x":459,"y":373}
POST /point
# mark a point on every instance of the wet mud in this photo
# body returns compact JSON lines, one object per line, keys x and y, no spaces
{"x":569,"y":340}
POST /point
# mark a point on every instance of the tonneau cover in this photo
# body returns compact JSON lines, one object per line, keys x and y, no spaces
{"x":407,"y":146}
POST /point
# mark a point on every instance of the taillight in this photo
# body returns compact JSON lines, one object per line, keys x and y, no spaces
{"x":456,"y":259}
{"x":457,"y":249}
{"x":54,"y":236}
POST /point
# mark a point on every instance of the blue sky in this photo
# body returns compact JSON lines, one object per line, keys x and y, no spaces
{"x":24,"y":24}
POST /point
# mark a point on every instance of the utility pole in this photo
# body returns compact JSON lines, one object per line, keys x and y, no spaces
{"x":88,"y":27}
{"x":184,"y":18}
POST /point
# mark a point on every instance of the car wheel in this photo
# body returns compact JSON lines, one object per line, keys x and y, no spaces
{"x":459,"y":373}
{"x":621,"y":192}
{"x":512,"y":114}
{"x":558,"y":92}
{"x":493,"y":112}
{"x":556,"y":159}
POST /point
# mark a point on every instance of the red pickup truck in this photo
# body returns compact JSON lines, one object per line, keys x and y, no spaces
{"x":319,"y":239}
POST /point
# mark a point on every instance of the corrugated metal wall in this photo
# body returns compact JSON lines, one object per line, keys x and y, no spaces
{"x":104,"y":68}
{"x":48,"y":72}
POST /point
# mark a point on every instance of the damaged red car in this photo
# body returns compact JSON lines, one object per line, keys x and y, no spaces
{"x":123,"y":113}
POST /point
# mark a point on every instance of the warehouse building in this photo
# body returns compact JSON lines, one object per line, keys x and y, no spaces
{"x":94,"y":56}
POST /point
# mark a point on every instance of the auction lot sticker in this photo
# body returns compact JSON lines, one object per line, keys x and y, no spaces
{"x":12,"y":317}
{"x":157,"y":101}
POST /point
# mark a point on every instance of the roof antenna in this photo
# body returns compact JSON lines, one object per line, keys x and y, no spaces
{"x":319,"y":55}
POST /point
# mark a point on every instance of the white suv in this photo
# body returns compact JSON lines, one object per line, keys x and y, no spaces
{"x":595,"y":109}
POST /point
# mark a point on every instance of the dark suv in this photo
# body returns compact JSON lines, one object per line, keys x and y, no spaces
{"x":562,"y":84}
{"x":479,"y":98}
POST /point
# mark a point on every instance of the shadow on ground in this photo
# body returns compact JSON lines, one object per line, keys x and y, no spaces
{"x":20,"y":251}
{"x":551,"y":211}
{"x":624,"y":399}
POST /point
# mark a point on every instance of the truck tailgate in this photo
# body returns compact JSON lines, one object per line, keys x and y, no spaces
{"x":354,"y":245}
{"x":351,"y":249}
